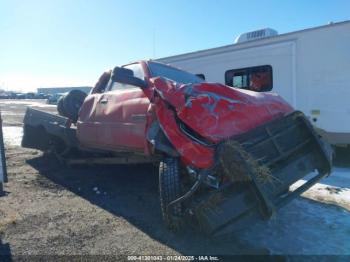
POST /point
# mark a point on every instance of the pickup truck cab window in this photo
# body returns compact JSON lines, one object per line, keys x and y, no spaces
{"x":102,"y":83}
{"x":172,"y":73}
{"x":138,"y":72}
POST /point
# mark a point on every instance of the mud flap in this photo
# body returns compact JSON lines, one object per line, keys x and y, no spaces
{"x":289,"y":149}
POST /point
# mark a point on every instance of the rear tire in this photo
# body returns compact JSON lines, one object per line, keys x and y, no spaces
{"x":72,"y":103}
{"x":170,"y":189}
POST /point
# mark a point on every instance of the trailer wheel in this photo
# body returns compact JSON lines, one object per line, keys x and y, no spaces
{"x":170,"y":189}
{"x":72,"y":103}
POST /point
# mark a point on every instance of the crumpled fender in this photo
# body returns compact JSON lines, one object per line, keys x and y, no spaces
{"x":191,"y":153}
{"x":214,"y":111}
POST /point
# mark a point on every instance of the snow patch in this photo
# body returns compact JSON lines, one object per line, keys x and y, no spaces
{"x":12,"y":135}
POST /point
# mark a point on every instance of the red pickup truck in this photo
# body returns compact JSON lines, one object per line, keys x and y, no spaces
{"x":224,"y":154}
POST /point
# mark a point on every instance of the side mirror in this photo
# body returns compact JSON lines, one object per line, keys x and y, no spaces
{"x":126,"y":76}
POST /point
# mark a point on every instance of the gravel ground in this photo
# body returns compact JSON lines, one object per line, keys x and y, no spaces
{"x":49,"y":209}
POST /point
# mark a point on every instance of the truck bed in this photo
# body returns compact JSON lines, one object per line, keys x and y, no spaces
{"x":50,"y":132}
{"x":40,"y":126}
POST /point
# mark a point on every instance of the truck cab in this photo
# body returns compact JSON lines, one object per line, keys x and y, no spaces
{"x":115,"y":115}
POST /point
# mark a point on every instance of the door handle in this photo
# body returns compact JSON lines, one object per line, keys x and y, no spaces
{"x":103,"y":101}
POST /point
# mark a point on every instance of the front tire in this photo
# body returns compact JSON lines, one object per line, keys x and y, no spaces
{"x":170,"y":189}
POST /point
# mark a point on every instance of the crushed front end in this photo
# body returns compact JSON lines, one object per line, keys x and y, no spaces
{"x":244,"y":149}
{"x":258,"y":168}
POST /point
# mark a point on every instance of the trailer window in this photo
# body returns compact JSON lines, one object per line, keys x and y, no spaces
{"x":257,"y":78}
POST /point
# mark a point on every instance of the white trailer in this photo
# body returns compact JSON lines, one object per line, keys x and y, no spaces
{"x":309,"y":68}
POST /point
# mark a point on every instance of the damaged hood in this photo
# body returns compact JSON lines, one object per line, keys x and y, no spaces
{"x":215,"y":111}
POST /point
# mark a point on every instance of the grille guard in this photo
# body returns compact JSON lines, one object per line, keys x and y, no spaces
{"x":291,"y":149}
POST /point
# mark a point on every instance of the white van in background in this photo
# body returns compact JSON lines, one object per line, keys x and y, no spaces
{"x":309,"y":68}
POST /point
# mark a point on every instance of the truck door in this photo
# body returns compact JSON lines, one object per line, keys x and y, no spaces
{"x":121,"y":115}
{"x":86,"y":125}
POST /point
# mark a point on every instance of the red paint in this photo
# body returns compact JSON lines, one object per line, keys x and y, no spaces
{"x":217,"y":111}
{"x":214,"y":111}
{"x":191,"y":153}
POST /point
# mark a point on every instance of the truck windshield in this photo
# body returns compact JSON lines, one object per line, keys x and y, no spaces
{"x":177,"y":75}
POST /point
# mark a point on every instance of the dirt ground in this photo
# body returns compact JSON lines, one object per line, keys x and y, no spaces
{"x":50,"y":209}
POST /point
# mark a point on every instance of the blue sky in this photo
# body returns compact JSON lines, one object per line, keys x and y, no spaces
{"x":71,"y":42}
